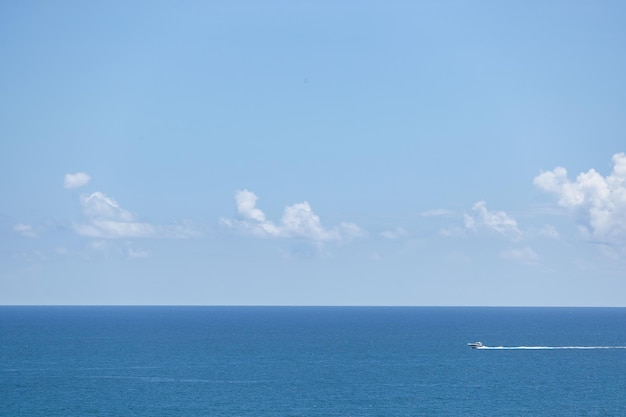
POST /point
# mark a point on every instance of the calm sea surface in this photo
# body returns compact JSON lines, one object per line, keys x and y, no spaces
{"x":310,"y":361}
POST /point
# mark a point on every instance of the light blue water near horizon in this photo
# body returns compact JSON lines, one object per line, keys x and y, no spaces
{"x":311,"y":361}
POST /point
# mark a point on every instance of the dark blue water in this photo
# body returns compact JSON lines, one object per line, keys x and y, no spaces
{"x":309,"y":361}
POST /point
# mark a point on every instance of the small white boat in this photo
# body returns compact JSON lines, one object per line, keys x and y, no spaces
{"x":475,"y":345}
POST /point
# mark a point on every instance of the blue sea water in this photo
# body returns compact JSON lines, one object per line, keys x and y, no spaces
{"x":310,"y":361}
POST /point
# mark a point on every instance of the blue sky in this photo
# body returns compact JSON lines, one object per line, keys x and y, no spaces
{"x":313,"y":153}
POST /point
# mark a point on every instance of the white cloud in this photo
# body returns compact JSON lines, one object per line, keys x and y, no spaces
{"x":76,"y":180}
{"x":106,"y":219}
{"x":601,"y":200}
{"x":98,"y":206}
{"x":298,"y":221}
{"x":469,"y":222}
{"x":497,"y":221}
{"x":525,"y":255}
{"x":25,"y":230}
{"x":246,"y":202}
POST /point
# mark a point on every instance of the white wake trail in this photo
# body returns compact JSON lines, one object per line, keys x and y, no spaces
{"x":547,"y":347}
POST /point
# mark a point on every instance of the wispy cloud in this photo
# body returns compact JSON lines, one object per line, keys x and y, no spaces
{"x":115,"y":249}
{"x":436,"y":213}
{"x":600,"y":200}
{"x":25,"y":230}
{"x":396,"y":233}
{"x":76,"y":180}
{"x":550,"y":232}
{"x":494,"y":220}
{"x":524,"y":255}
{"x":298,"y":221}
{"x":133,"y":253}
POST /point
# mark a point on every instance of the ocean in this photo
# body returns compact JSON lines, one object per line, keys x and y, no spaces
{"x":312,"y":361}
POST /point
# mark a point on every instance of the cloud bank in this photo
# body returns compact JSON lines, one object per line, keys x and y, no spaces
{"x":76,"y":180}
{"x":298,"y":221}
{"x":601,"y":201}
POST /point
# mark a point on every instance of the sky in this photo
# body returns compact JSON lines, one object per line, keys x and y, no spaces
{"x":313,"y":153}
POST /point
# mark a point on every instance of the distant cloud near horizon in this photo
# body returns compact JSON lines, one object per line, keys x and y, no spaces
{"x":76,"y":180}
{"x":600,"y":200}
{"x":298,"y":221}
